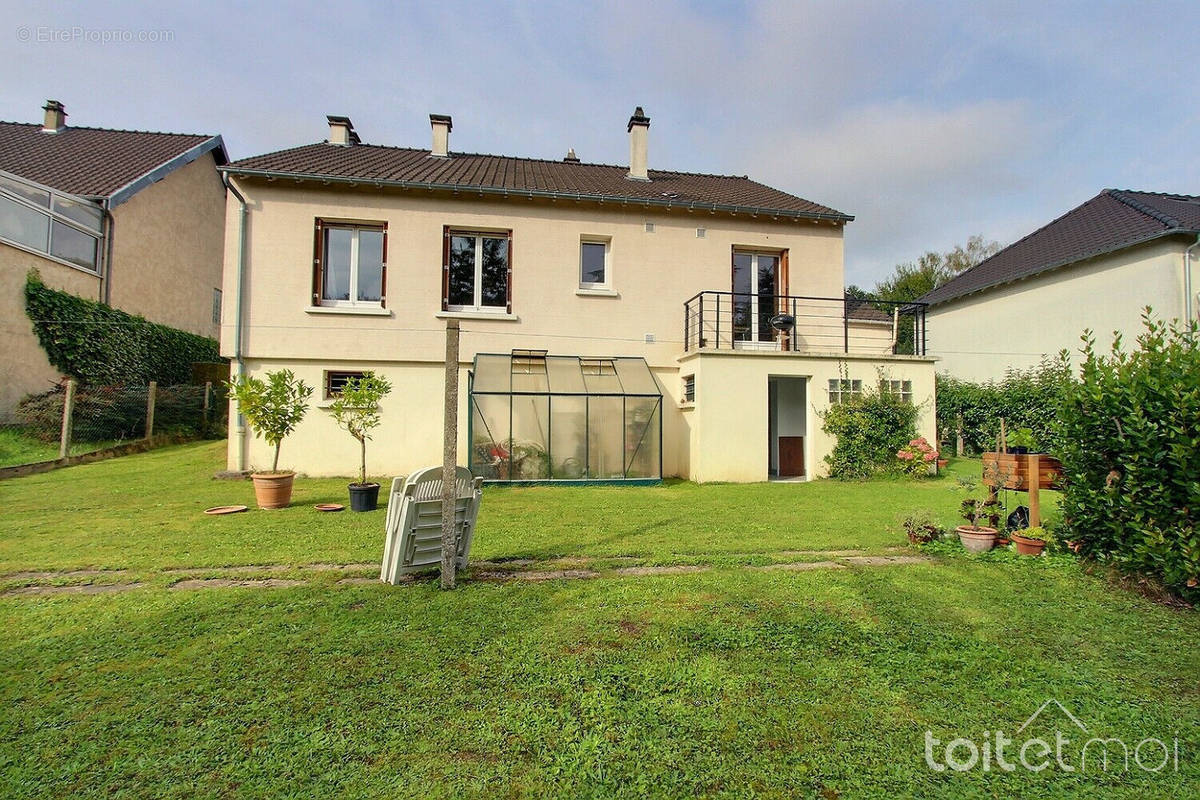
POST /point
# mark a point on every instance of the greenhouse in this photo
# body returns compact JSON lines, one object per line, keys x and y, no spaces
{"x":537,"y":417}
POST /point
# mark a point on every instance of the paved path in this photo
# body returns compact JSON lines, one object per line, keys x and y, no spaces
{"x":362,"y":574}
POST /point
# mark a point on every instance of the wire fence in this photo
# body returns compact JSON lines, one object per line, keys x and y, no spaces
{"x":74,"y":420}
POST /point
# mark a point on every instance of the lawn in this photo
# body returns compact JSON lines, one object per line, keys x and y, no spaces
{"x":17,"y":447}
{"x":736,"y":681}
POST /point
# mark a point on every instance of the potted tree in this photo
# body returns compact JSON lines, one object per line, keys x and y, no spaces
{"x":1022,"y":441}
{"x":356,"y":410}
{"x":1031,"y":541}
{"x":975,"y":537}
{"x":273,"y":408}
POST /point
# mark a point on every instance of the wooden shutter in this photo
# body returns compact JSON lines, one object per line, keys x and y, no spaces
{"x":318,"y":261}
{"x":508,"y":277}
{"x":446,"y":268}
{"x":781,"y":285}
{"x":383,"y":272}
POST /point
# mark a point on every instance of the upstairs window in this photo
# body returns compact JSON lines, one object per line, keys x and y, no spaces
{"x":350,"y":264}
{"x":841,"y":389}
{"x":593,"y":264}
{"x":37,"y":218}
{"x":477,"y":271}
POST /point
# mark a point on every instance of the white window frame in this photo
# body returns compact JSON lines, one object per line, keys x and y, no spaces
{"x":689,"y":388}
{"x":479,"y":236}
{"x":606,"y":242}
{"x":55,"y":217}
{"x":841,"y":389}
{"x":356,"y":228}
{"x":900,"y":388}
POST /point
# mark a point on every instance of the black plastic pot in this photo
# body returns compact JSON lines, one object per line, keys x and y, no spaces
{"x":364,"y":496}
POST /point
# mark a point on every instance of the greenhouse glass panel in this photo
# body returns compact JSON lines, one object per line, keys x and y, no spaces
{"x":537,"y":417}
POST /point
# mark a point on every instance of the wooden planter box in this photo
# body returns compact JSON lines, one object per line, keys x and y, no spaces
{"x":1018,"y":469}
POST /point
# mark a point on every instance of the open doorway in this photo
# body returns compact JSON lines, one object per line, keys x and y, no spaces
{"x":787,"y":428}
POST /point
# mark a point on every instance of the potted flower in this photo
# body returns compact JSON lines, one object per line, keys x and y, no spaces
{"x":975,"y":537}
{"x":356,"y":410}
{"x":921,"y":527}
{"x":272,"y":408}
{"x":1031,"y":541}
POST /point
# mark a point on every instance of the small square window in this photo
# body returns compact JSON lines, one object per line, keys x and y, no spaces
{"x":649,"y":227}
{"x":593,"y":264}
{"x":842,"y":389}
{"x":902,"y":389}
{"x":689,"y":388}
{"x":336,"y":381}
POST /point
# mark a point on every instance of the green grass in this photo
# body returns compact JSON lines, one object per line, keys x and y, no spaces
{"x":145,"y":512}
{"x":731,"y":682}
{"x":16,"y":447}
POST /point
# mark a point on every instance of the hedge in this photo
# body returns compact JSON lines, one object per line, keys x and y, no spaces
{"x":100,"y":345}
{"x":1028,"y":398}
{"x":1130,"y":447}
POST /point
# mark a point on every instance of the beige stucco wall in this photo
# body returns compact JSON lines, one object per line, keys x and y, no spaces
{"x":653,"y":274}
{"x":168,"y":248}
{"x":27,"y":370}
{"x":1012,"y":327}
{"x":728,"y":423}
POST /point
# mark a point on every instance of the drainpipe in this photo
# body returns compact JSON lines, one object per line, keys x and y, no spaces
{"x":106,"y":275}
{"x":1187,"y":281}
{"x":240,"y":425}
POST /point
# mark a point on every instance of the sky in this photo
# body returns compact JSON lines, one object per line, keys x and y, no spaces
{"x":928,"y":121}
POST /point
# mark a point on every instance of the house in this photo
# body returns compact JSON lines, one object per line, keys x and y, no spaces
{"x":1096,"y":267}
{"x":618,"y":322}
{"x":133,"y":219}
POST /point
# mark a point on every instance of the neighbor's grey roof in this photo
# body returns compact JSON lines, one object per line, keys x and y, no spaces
{"x":1112,"y":220}
{"x":401,"y":166}
{"x":94,"y":162}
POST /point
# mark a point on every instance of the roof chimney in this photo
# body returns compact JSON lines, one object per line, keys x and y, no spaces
{"x":639,"y":133}
{"x":56,"y":117}
{"x":571,"y":157}
{"x":341,"y":131}
{"x":441,"y":135}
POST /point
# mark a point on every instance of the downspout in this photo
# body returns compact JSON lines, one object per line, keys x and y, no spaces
{"x":240,"y":425}
{"x":1187,"y":281}
{"x":110,"y":225}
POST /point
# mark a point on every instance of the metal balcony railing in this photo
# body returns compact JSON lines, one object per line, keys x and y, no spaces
{"x":800,"y":324}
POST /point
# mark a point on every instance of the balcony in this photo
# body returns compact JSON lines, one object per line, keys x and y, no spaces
{"x":799,"y":324}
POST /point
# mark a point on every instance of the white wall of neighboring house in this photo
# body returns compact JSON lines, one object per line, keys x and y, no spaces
{"x":981,"y":336}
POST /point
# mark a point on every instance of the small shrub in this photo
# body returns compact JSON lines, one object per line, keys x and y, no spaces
{"x":870,"y":430}
{"x":1130,"y":439}
{"x":915,"y":458}
{"x":921,"y":528}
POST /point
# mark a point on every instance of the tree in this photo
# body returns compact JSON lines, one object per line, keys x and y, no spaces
{"x":357,"y":410}
{"x":912,"y":280}
{"x":274,"y":407}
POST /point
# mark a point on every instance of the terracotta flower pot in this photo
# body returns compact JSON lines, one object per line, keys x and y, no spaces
{"x":273,"y":489}
{"x":977,"y":540}
{"x":942,"y":463}
{"x":1028,"y":547}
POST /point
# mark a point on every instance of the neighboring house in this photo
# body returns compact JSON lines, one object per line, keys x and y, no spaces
{"x":133,"y":219}
{"x":616,"y":321}
{"x":1096,"y":267}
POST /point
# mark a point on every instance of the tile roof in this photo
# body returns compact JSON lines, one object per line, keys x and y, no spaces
{"x":94,"y":162}
{"x":528,"y":176}
{"x":1110,"y":221}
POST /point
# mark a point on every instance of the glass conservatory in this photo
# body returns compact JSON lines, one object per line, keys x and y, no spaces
{"x":537,"y":417}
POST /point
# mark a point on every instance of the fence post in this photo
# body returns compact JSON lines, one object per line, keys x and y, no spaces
{"x":64,"y":439}
{"x":450,"y":457}
{"x":150,"y":397}
{"x":207,"y":403}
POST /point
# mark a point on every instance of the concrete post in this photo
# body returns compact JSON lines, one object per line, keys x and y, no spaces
{"x":450,"y":456}
{"x":150,"y":398}
{"x":68,"y":415}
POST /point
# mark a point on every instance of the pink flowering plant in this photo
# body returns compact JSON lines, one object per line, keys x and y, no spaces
{"x":915,"y":457}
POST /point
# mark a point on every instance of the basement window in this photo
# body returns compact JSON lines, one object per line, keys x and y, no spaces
{"x":336,"y":381}
{"x":689,"y":388}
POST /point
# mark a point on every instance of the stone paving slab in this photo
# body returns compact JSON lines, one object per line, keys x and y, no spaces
{"x":80,"y":588}
{"x":224,"y":583}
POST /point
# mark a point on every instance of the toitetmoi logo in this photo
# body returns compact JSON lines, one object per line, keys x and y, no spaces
{"x":1066,"y":744}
